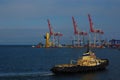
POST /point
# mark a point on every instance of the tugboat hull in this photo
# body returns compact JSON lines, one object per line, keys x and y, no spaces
{"x":80,"y":69}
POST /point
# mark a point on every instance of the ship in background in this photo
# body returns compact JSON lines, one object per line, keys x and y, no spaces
{"x":114,"y":43}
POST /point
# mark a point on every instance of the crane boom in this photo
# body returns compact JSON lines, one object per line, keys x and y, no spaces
{"x":91,"y":23}
{"x":91,"y":26}
{"x":75,"y":26}
{"x":76,"y":30}
{"x":50,"y":27}
{"x":51,"y":30}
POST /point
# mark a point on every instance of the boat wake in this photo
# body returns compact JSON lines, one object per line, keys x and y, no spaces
{"x":26,"y":74}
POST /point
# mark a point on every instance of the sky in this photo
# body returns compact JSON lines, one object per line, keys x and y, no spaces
{"x":25,"y":21}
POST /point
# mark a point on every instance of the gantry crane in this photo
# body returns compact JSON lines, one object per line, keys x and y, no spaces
{"x":94,"y":31}
{"x":77,"y":32}
{"x":54,"y":34}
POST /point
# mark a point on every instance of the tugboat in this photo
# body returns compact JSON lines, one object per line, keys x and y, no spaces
{"x":87,"y":63}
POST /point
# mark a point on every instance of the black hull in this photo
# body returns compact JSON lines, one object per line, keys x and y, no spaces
{"x":80,"y":69}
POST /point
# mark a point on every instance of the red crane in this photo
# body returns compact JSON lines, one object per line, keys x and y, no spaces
{"x":52,"y":33}
{"x":51,"y":30}
{"x":92,"y":30}
{"x":91,"y":26}
{"x":77,"y":31}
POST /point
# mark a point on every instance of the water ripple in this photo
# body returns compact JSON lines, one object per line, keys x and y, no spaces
{"x":23,"y":74}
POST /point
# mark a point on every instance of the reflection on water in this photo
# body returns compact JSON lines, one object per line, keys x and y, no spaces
{"x":82,"y":76}
{"x":89,"y":76}
{"x":26,"y":74}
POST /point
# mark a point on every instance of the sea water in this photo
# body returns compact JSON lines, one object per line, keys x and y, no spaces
{"x":27,"y":63}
